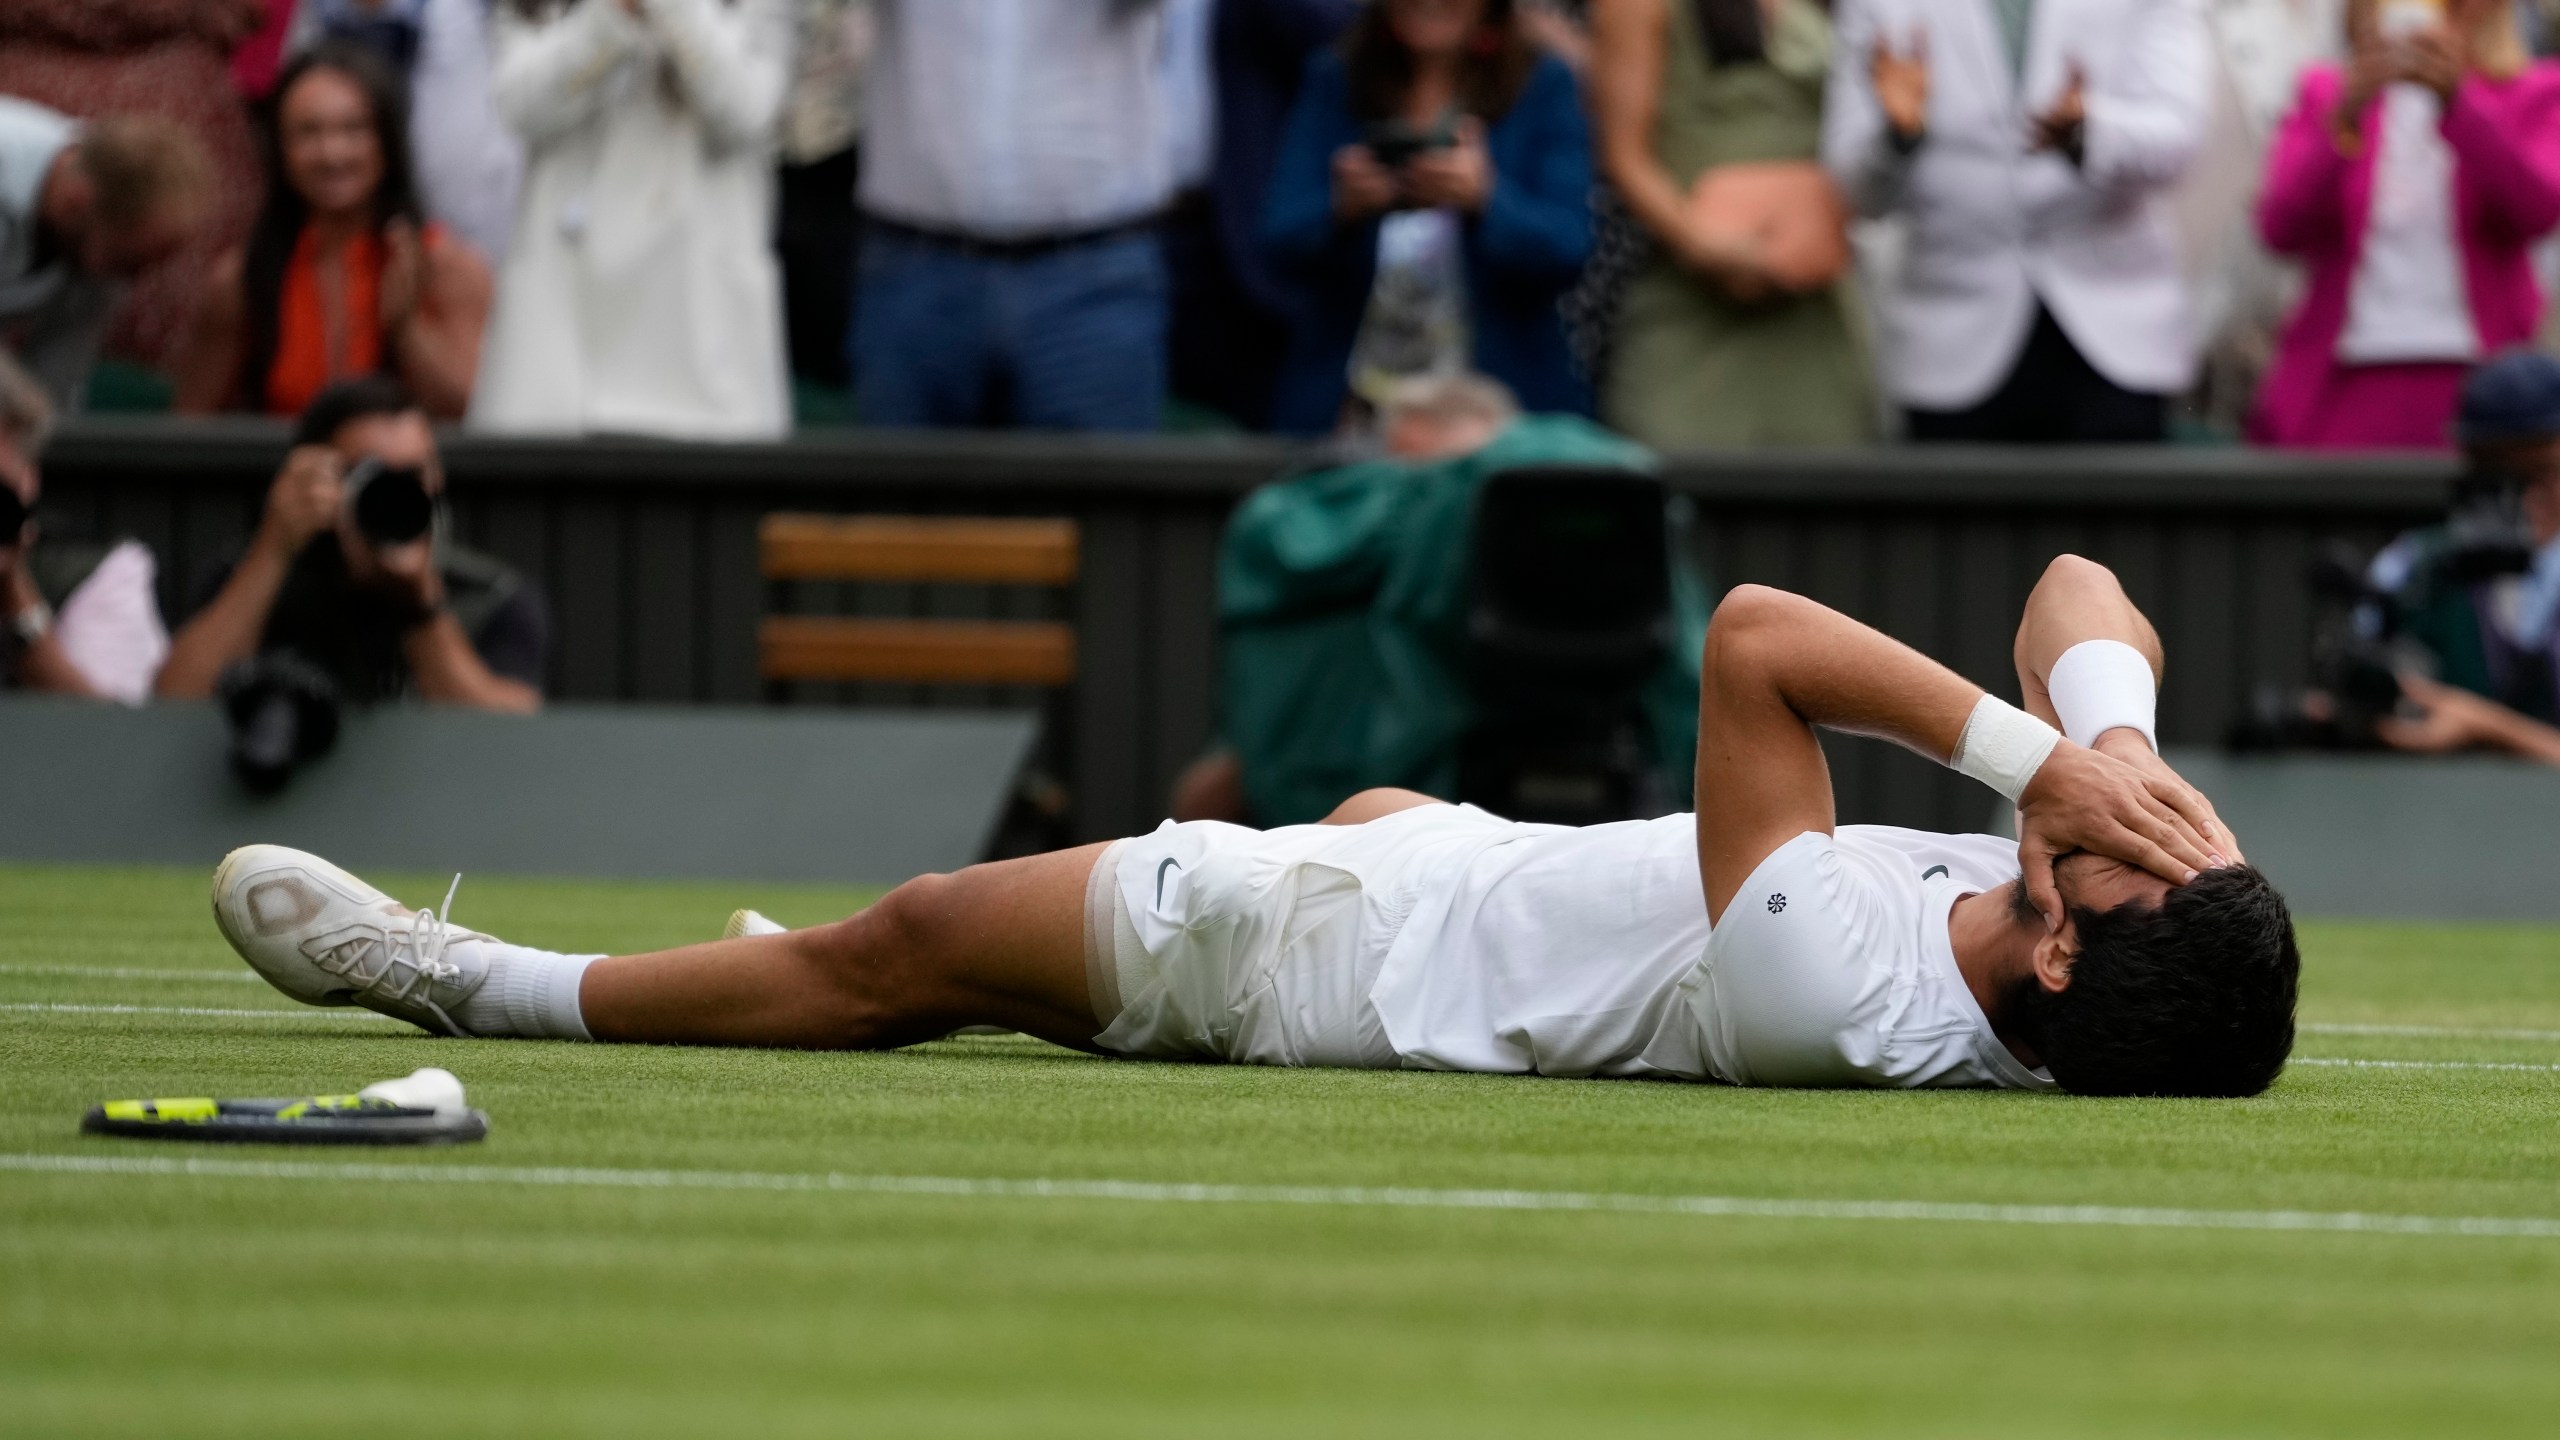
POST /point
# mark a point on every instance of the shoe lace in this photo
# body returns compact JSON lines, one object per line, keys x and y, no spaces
{"x":401,"y":978}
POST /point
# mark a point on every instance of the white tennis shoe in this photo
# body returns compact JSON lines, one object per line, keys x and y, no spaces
{"x":325,"y":937}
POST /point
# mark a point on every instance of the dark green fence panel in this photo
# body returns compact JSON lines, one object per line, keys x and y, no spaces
{"x":647,"y":551}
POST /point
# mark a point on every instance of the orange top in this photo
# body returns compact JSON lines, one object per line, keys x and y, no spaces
{"x":306,"y":362}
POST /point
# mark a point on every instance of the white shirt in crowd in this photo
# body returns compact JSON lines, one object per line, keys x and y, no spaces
{"x":30,"y":137}
{"x":110,"y":629}
{"x":1577,"y":952}
{"x":2407,"y":302}
{"x":1190,"y":90}
{"x":1996,"y":227}
{"x":640,"y":294}
{"x":1015,"y":119}
{"x":55,"y":313}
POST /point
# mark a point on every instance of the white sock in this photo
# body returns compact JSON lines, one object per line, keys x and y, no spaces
{"x":531,"y":994}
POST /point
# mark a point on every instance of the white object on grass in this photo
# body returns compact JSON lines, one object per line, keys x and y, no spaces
{"x":430,"y":1088}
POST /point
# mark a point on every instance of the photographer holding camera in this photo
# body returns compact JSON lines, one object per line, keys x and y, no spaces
{"x":350,"y":587}
{"x":2479,"y":595}
{"x":1433,"y":193}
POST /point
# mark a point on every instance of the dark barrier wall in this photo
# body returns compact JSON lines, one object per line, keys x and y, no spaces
{"x":647,"y":552}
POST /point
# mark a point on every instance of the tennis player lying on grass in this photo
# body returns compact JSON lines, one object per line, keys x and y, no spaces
{"x":2118,"y":948}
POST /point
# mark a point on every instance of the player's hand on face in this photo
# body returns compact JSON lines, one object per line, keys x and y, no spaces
{"x":2129,"y":747}
{"x":2084,"y":799}
{"x":304,"y":500}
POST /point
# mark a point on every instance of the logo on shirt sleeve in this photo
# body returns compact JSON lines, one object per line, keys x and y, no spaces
{"x":1933,"y":872}
{"x":1777,"y":903}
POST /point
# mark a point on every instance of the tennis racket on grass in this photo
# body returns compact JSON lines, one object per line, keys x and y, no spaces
{"x":424,"y":1108}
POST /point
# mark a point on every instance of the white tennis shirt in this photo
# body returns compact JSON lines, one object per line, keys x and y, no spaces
{"x":1579,"y":952}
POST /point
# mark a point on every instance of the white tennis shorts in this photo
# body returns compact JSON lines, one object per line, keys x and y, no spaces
{"x":1211,"y":941}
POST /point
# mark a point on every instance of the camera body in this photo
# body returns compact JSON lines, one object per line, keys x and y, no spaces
{"x":283,"y":711}
{"x":2358,"y":647}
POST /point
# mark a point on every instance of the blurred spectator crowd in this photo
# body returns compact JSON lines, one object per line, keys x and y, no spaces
{"x":1697,"y":223}
{"x":1701,"y":222}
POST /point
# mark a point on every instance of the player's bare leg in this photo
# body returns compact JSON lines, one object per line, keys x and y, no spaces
{"x":996,"y":944}
{"x":999,"y":945}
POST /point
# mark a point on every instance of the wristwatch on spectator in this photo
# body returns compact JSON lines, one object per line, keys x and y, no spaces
{"x":33,"y":622}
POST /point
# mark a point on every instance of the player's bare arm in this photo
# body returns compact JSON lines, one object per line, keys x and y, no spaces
{"x":1778,"y":665}
{"x":2075,"y":603}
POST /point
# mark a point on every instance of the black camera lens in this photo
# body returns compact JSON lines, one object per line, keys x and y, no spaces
{"x":391,"y":504}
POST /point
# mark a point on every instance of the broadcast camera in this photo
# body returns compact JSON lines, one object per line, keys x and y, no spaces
{"x":2358,"y":647}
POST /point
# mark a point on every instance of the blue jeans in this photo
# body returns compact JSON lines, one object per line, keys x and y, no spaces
{"x":1071,"y":339}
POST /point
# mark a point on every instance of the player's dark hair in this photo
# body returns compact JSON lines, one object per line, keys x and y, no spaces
{"x":347,"y":401}
{"x":2193,"y":996}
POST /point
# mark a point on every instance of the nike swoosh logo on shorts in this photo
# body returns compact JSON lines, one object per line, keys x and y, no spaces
{"x":1169,"y":864}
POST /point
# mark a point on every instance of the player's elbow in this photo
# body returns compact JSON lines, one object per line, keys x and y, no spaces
{"x":2075,"y":585}
{"x":1752,"y":612}
{"x":2069,"y":571}
{"x":1751,"y":624}
{"x":2071,"y":585}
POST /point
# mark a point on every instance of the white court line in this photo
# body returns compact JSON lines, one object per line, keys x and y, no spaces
{"x":1356,"y":1197}
{"x":127,"y":972}
{"x":2419,"y":1064}
{"x":246,"y":977}
{"x":310,"y":1013}
{"x":2450,"y":1032}
{"x":345,"y":1013}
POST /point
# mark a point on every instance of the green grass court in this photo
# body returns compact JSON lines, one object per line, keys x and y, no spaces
{"x":290,"y":1302}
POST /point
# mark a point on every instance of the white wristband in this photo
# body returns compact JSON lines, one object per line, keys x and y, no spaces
{"x":2003,"y":746}
{"x":2103,"y":685}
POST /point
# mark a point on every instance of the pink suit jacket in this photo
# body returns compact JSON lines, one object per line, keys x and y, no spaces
{"x":2505,"y":136}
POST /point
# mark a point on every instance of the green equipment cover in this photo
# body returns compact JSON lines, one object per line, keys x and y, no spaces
{"x":1342,"y":604}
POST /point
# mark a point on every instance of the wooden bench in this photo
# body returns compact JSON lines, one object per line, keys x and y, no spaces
{"x":910,"y":549}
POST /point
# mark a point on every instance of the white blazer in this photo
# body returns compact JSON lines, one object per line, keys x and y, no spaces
{"x":1994,"y":226}
{"x":640,"y":294}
